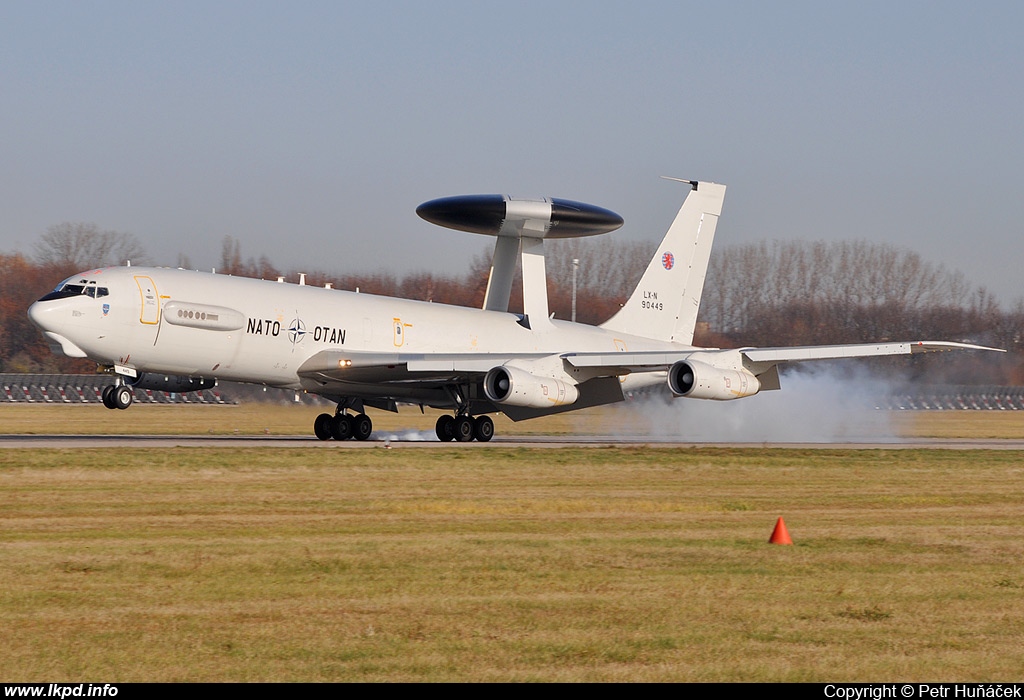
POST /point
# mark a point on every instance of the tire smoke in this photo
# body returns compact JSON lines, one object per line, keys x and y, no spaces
{"x":815,"y":405}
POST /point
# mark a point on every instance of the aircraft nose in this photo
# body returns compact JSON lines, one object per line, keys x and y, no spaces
{"x":47,"y":315}
{"x":37,"y":314}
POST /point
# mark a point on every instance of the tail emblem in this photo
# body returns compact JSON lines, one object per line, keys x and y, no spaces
{"x":668,"y":260}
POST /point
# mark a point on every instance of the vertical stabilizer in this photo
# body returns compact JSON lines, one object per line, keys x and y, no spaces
{"x":665,"y":302}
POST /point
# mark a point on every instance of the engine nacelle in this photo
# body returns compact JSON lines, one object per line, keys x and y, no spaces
{"x":517,"y":387}
{"x":171,"y":383}
{"x":697,"y":380}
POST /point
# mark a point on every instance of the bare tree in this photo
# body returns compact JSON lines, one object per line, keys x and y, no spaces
{"x":74,"y":246}
{"x":850,"y":291}
{"x":231,"y":257}
{"x":608,"y":267}
{"x":22,"y":347}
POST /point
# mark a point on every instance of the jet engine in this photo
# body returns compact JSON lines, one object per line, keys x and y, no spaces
{"x":517,"y":387}
{"x":697,"y":380}
{"x":170,"y":383}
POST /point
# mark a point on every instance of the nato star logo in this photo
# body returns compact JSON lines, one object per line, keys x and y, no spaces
{"x":296,"y":331}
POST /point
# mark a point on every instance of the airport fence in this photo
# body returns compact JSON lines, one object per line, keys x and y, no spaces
{"x":88,"y":388}
{"x":957,"y":398}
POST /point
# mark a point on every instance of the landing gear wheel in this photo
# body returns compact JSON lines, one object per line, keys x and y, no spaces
{"x":463,"y":428}
{"x":483,"y":428}
{"x":122,"y":397}
{"x":445,"y":428}
{"x":322,"y":426}
{"x":107,"y":395}
{"x":341,"y":426}
{"x":362,"y":426}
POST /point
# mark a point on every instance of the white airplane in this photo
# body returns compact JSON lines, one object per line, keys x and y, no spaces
{"x":180,"y":330}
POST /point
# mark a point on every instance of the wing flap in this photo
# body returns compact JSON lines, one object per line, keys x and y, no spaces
{"x":626,"y":362}
{"x":365,"y":366}
{"x":836,"y":352}
{"x":456,"y":363}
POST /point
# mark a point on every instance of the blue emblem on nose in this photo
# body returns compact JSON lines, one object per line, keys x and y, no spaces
{"x":106,"y":309}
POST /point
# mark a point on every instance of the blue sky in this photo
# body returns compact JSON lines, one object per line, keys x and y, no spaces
{"x":310,"y":131}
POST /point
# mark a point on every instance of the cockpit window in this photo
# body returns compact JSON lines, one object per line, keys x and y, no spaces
{"x":64,"y":291}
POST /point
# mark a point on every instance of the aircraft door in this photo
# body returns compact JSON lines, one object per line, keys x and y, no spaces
{"x":150,"y":302}
{"x":401,"y":330}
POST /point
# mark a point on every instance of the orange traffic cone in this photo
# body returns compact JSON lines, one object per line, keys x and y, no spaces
{"x":780,"y":535}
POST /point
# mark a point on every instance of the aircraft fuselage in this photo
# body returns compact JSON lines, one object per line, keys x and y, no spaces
{"x":201,"y":324}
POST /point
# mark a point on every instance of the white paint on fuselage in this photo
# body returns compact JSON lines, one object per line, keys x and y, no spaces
{"x":286,"y":324}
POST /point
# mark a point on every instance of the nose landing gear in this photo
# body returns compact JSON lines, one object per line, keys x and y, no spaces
{"x":118,"y":396}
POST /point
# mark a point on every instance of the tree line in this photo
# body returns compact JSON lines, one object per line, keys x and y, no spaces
{"x":770,"y":293}
{"x":811,"y":293}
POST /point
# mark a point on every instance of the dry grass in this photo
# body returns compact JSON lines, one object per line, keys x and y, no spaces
{"x":978,"y":425}
{"x":274,"y":419}
{"x":510,"y":564}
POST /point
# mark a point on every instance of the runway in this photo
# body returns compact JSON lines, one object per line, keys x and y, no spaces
{"x":423,"y":441}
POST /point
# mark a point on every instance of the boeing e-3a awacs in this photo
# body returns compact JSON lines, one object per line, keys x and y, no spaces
{"x":180,"y":330}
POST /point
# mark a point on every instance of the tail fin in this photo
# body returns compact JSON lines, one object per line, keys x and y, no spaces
{"x":665,"y":302}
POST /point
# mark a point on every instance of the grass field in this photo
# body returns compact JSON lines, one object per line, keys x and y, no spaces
{"x":622,"y":419}
{"x":617,"y":564}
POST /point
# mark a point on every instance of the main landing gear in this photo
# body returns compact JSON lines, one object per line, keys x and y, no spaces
{"x":118,"y":396}
{"x":342,"y":426}
{"x":464,"y":428}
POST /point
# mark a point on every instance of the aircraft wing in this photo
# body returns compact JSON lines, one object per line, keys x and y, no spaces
{"x":349,"y":366}
{"x":761,"y":358}
{"x":354,"y":366}
{"x":835,"y":352}
{"x":381,"y":379}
